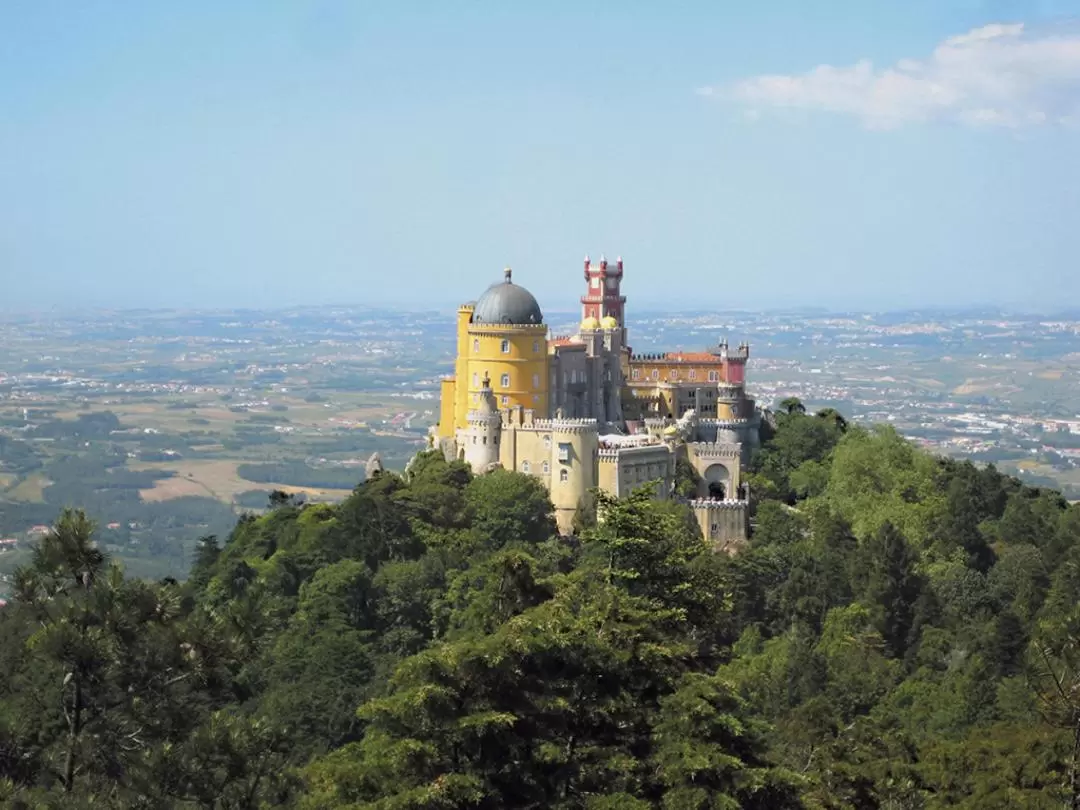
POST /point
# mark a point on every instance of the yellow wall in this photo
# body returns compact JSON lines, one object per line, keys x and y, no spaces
{"x":526,"y":364}
{"x":446,"y":408}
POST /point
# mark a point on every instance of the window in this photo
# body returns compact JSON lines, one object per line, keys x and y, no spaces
{"x":525,"y":467}
{"x":505,"y":380}
{"x":673,"y":374}
{"x":475,"y":378}
{"x":635,"y":373}
{"x":505,"y":347}
{"x":536,"y":347}
{"x":547,"y":442}
{"x":476,"y":345}
{"x":536,"y":399}
{"x":505,"y":400}
{"x":485,"y":440}
{"x":495,"y":439}
{"x":546,"y":467}
{"x":564,"y":475}
{"x":564,"y":452}
{"x":713,"y":376}
{"x":656,"y":374}
{"x":536,"y":380}
{"x":692,"y":374}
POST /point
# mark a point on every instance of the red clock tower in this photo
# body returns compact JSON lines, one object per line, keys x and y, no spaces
{"x":602,"y":296}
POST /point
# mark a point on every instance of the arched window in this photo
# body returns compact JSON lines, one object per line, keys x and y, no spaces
{"x":505,"y":380}
{"x":505,"y":346}
{"x":536,"y":347}
{"x":475,"y":379}
{"x":564,"y":475}
{"x":536,"y":380}
{"x":525,"y":467}
{"x":476,"y":344}
{"x":547,"y":442}
{"x":546,"y":467}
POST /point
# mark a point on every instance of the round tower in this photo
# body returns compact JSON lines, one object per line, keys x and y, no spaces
{"x":481,"y":436}
{"x":575,"y":446}
{"x":505,"y":341}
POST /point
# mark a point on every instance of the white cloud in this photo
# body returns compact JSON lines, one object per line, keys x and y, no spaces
{"x":997,"y":75}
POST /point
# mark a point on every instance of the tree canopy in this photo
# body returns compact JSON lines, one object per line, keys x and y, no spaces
{"x":901,"y":632}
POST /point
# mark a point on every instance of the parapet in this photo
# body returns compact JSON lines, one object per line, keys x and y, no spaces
{"x":716,"y":449}
{"x":485,"y":418}
{"x":729,"y":424}
{"x":567,"y":425}
{"x":728,"y":504}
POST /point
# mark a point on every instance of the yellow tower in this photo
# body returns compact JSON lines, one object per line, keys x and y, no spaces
{"x":501,"y":337}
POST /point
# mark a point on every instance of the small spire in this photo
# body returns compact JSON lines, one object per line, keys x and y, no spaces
{"x":508,"y":273}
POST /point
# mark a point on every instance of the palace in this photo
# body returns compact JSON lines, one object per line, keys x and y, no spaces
{"x":583,"y":412}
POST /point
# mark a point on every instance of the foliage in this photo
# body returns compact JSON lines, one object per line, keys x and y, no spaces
{"x":901,"y":631}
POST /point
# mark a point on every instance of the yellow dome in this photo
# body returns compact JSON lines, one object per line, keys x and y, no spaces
{"x":589,"y":324}
{"x":609,"y":322}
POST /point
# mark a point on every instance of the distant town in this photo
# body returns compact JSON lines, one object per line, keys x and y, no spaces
{"x":167,"y":424}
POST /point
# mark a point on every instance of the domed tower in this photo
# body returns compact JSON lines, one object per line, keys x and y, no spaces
{"x":505,"y":341}
{"x":480,"y":439}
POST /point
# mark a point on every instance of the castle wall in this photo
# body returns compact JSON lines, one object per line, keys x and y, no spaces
{"x":630,"y":468}
{"x":725,"y":525}
{"x":447,"y":398}
{"x":461,"y":364}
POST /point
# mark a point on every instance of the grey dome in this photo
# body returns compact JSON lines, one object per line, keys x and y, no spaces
{"x":507,"y":303}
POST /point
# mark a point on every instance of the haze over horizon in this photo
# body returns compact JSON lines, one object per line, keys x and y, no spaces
{"x":746,"y":157}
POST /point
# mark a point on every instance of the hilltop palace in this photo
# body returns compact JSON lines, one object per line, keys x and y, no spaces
{"x":583,"y":412}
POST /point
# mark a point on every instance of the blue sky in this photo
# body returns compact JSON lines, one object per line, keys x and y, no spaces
{"x":737,"y":155}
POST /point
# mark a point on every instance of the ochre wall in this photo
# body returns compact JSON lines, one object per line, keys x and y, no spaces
{"x":446,"y":408}
{"x":526,"y":364}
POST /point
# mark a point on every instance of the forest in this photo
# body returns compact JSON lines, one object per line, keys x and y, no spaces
{"x":901,"y":632}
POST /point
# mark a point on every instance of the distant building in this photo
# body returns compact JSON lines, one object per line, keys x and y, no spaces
{"x":583,"y":411}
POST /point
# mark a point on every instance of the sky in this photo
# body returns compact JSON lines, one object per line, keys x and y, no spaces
{"x":838,"y":154}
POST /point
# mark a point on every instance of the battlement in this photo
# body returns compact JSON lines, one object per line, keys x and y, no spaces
{"x":728,"y":390}
{"x":716,"y":505}
{"x":729,"y":424}
{"x":566,"y":425}
{"x":507,"y":328}
{"x":610,"y":454}
{"x":480,"y":417}
{"x":716,"y":449}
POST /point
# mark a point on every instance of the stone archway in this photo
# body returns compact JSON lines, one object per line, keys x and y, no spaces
{"x":716,"y":482}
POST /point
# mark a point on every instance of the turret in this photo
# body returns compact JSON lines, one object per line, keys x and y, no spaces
{"x":603,"y":297}
{"x":483,"y":431}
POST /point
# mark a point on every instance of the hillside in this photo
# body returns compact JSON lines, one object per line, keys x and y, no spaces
{"x":901,"y":632}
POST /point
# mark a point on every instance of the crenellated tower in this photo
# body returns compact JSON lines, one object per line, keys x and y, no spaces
{"x":603,"y":297}
{"x":480,"y":439}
